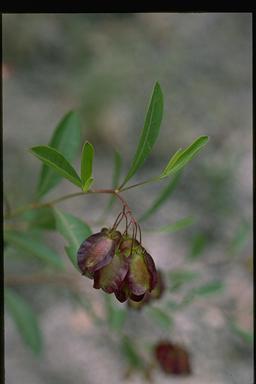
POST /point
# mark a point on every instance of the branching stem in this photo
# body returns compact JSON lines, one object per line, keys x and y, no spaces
{"x":30,"y":206}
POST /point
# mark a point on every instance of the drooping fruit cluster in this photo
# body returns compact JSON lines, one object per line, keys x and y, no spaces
{"x":118,"y":263}
{"x":172,"y":358}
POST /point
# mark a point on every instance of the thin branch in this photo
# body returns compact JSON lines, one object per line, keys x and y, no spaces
{"x":115,"y":192}
{"x":152,"y":180}
{"x":41,"y":278}
{"x":30,"y":206}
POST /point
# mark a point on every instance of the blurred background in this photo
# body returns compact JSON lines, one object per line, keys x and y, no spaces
{"x":104,"y":66}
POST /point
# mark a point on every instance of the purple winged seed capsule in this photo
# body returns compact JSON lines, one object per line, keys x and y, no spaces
{"x":97,"y":251}
{"x":155,"y":294}
{"x":141,"y":277}
{"x":111,"y":277}
{"x":172,"y":358}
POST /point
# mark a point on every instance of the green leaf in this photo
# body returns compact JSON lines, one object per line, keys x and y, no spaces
{"x":66,"y":139}
{"x":130,"y":352}
{"x":71,"y":251}
{"x":117,"y":169}
{"x":34,"y":247}
{"x":161,"y":318}
{"x":209,"y":288}
{"x":42,"y":218}
{"x":180,"y":277}
{"x":115,"y":316}
{"x":56,"y":161}
{"x":182,"y":157}
{"x":198,"y":245}
{"x":163,"y":197}
{"x":173,"y":305}
{"x":86,"y":165}
{"x":245,"y":335}
{"x":25,"y":319}
{"x":150,"y":132}
{"x":74,"y":230}
{"x":180,"y":224}
{"x":240,"y":238}
{"x":87,"y":184}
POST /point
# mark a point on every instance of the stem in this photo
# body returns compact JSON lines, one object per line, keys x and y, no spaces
{"x":27,"y":207}
{"x":152,"y":180}
{"x":20,"y":210}
{"x":116,"y":193}
{"x":40,"y":278}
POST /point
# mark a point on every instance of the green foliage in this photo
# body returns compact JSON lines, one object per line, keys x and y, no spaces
{"x":74,"y":230}
{"x":245,"y":335}
{"x":56,"y":161}
{"x":86,"y":166}
{"x":149,"y":133}
{"x":240,"y":237}
{"x":210,"y":288}
{"x":65,"y":139}
{"x":183,"y":156}
{"x":164,"y":195}
{"x":179,"y":225}
{"x":129,"y":351}
{"x":179,"y":277}
{"x":25,"y":319}
{"x":42,"y":218}
{"x":198,"y":244}
{"x":34,"y":247}
{"x":160,"y":317}
{"x":115,"y":316}
{"x":57,"y":158}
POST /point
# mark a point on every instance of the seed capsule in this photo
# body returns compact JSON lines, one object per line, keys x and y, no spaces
{"x":110,"y":278}
{"x":172,"y":358}
{"x":141,"y":276}
{"x":97,"y":251}
{"x":155,"y":294}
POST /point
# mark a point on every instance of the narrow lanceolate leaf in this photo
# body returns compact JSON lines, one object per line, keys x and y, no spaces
{"x":25,"y":319}
{"x":240,"y":238}
{"x":182,"y":157}
{"x":115,"y":316}
{"x":74,"y":230}
{"x":198,"y":246}
{"x":180,"y":277}
{"x":164,"y":195}
{"x":245,"y":335}
{"x":117,"y":169}
{"x":129,"y":350}
{"x":87,"y":184}
{"x":180,"y":224}
{"x":149,"y":133}
{"x":209,"y":288}
{"x":57,"y":162}
{"x":116,"y":177}
{"x":31,"y":246}
{"x":86,"y":166}
{"x":161,"y":318}
{"x":66,"y":139}
{"x":42,"y":218}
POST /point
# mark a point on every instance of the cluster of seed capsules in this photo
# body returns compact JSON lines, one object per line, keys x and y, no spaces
{"x":118,"y":263}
